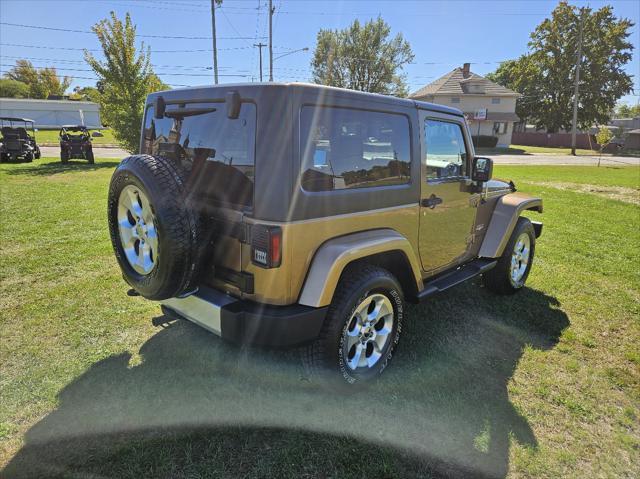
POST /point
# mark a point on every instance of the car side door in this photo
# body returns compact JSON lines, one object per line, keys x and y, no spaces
{"x":448,"y":201}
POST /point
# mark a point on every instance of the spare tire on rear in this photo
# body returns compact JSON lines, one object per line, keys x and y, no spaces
{"x":153,"y":232}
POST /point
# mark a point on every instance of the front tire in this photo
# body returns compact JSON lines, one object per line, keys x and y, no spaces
{"x":90,"y":157}
{"x":361,"y":330}
{"x":64,"y":156}
{"x":513,"y":268}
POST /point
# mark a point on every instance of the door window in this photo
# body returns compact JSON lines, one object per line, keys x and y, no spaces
{"x":446,"y":154}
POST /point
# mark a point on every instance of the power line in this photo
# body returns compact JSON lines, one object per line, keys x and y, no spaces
{"x":232,"y":26}
{"x":41,"y":27}
{"x":190,"y":50}
{"x":41,"y":59}
{"x":375,"y":14}
{"x":157,"y":73}
{"x":153,"y":3}
{"x":154,"y":7}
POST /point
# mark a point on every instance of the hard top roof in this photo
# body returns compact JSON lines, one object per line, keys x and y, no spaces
{"x":200,"y":91}
{"x":8,"y":118}
{"x":72,"y":127}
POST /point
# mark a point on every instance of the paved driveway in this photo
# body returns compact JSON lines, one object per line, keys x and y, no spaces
{"x":542,"y":159}
{"x":54,"y":151}
{"x":532,"y":159}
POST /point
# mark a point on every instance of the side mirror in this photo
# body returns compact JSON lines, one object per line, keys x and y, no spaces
{"x":159,"y":107}
{"x":233,"y":105}
{"x":482,"y":169}
{"x":97,"y":134}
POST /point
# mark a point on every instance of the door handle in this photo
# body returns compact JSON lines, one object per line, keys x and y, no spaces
{"x":431,"y":202}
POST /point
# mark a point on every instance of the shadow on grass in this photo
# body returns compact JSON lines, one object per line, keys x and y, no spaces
{"x":54,"y":168}
{"x":194,"y":406}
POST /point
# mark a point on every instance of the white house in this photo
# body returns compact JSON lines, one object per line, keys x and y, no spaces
{"x":476,"y":97}
{"x":52,"y":113}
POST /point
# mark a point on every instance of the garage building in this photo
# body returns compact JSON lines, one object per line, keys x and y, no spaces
{"x":52,"y":114}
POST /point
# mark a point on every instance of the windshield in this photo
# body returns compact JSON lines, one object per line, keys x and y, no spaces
{"x":209,"y":145}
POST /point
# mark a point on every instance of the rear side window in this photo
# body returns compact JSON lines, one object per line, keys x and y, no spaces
{"x":343,"y":148}
{"x":217,"y":152}
{"x":446,"y":152}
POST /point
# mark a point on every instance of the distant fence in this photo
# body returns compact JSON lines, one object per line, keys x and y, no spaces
{"x":553,"y":140}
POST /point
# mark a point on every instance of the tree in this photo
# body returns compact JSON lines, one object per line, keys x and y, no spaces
{"x":42,"y":82}
{"x":87,"y":93}
{"x":546,"y":75}
{"x":13,"y":89}
{"x":362,"y":58}
{"x":623,"y":110}
{"x":603,"y":138}
{"x":125,"y":78}
{"x":520,"y":75}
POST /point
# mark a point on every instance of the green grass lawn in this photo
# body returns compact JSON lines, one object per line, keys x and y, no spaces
{"x":542,"y":384}
{"x":52,"y":137}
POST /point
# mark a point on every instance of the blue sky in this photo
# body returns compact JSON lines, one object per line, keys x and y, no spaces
{"x":443,"y":34}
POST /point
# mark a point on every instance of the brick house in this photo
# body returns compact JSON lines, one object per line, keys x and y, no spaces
{"x":469,"y":92}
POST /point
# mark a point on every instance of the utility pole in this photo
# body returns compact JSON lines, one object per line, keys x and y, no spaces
{"x":271,"y":9}
{"x":574,"y":126}
{"x":215,"y":51}
{"x":260,"y":46}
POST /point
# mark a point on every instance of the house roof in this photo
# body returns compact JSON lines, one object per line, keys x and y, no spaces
{"x":454,"y":83}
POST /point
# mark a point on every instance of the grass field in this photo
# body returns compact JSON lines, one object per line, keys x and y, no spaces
{"x":52,"y":137}
{"x":542,"y":384}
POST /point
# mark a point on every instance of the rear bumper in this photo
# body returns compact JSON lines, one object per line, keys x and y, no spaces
{"x":75,"y":152}
{"x":245,"y":322}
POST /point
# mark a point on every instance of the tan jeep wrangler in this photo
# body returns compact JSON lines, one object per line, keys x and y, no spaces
{"x":302,"y":215}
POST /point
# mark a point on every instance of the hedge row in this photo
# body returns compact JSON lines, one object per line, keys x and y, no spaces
{"x":485,"y":141}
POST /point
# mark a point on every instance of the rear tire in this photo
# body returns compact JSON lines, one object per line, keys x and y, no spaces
{"x":155,"y":237}
{"x":355,"y":346}
{"x":511,"y":272}
{"x":64,"y":157}
{"x":28,"y":157}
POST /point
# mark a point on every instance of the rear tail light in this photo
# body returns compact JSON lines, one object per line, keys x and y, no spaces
{"x":266,"y":246}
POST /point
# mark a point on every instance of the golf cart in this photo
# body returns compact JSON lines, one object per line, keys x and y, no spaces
{"x":18,"y":139}
{"x":75,"y":143}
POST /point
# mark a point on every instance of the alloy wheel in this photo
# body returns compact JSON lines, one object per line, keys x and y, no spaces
{"x":520,"y":260}
{"x":137,"y":228}
{"x":368,"y":333}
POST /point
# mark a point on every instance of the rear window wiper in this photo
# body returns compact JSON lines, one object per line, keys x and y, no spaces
{"x":184,"y":112}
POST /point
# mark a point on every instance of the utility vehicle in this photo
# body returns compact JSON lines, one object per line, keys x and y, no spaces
{"x":18,"y":139}
{"x":75,"y":143}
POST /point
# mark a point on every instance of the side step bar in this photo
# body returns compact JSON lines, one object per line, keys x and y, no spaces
{"x":454,"y":278}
